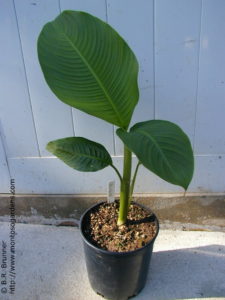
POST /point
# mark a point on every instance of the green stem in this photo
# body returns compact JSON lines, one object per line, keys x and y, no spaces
{"x":125,"y":187}
{"x":133,"y":180}
{"x":117,"y":172}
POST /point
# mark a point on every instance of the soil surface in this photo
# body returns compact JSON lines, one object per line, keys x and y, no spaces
{"x":103,"y":231}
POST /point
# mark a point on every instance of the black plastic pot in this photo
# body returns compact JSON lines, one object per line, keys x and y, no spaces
{"x":116,"y":275}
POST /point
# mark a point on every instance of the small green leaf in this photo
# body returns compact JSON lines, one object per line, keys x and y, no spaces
{"x":80,"y":153}
{"x":163,"y":148}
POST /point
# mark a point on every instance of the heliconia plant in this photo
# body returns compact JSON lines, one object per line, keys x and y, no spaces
{"x":89,"y":66}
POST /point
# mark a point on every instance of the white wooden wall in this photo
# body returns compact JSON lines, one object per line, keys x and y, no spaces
{"x":180,"y":45}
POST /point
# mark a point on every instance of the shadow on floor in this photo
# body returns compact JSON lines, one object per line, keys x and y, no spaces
{"x":50,"y":266}
{"x":186,"y":273}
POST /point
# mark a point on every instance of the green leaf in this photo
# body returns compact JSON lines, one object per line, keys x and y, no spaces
{"x":80,"y":153}
{"x":163,"y":148}
{"x":89,"y":66}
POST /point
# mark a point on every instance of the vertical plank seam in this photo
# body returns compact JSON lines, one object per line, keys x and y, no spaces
{"x":72,"y":111}
{"x":73,"y":120}
{"x":106,"y":11}
{"x":198,"y":68}
{"x":113,"y":127}
{"x":25,"y":75}
{"x":5,"y":154}
{"x":154,"y":54}
{"x":114,"y":140}
{"x":59,"y":4}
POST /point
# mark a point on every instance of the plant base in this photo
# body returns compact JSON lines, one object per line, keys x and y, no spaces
{"x":115,"y":275}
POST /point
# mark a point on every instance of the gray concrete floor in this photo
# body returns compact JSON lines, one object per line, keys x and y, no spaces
{"x":50,"y":265}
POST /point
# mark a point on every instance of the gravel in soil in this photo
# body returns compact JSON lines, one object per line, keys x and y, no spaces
{"x":141,"y":227}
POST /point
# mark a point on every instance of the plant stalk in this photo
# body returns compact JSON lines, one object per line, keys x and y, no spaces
{"x":125,"y":187}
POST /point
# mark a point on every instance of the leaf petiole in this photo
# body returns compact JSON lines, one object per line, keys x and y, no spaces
{"x":117,"y":172}
{"x":133,"y":180}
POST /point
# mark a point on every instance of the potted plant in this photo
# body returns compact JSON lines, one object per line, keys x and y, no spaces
{"x":89,"y":66}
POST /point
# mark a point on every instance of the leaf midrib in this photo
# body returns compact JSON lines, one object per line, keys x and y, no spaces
{"x":95,"y":76}
{"x":81,"y":154}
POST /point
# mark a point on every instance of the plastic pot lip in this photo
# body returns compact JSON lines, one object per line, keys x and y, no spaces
{"x":111,"y":252}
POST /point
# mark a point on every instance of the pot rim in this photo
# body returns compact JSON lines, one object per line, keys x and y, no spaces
{"x":103,"y":251}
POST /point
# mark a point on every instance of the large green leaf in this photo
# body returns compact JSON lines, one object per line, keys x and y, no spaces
{"x":80,"y":153}
{"x":163,"y":148}
{"x":89,"y":66}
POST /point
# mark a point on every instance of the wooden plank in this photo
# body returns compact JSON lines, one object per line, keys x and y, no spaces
{"x":94,"y":129}
{"x":53,"y":118}
{"x":15,"y":109}
{"x":208,"y":177}
{"x":51,"y":176}
{"x":209,"y":174}
{"x":86,"y":125}
{"x":94,"y":7}
{"x":134,"y":22}
{"x":210,"y":120}
{"x":177,"y":30}
{"x":4,"y":172}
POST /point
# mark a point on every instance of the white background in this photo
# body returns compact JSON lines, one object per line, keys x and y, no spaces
{"x":180,"y":46}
